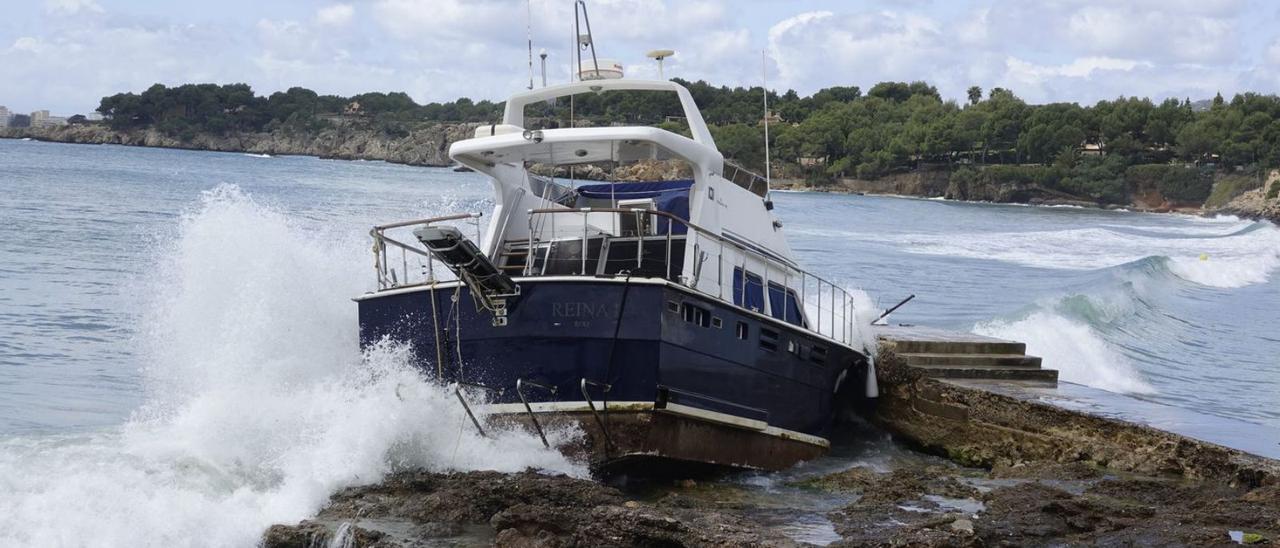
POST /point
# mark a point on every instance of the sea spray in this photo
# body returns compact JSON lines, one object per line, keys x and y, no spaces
{"x":260,"y":403}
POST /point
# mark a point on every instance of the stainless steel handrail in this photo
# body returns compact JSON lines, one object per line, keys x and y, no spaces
{"x":839,"y":328}
{"x":386,"y":275}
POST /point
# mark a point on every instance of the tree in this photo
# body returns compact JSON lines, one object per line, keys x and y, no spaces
{"x":975,"y":95}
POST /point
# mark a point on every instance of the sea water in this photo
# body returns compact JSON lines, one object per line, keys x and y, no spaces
{"x":179,"y":360}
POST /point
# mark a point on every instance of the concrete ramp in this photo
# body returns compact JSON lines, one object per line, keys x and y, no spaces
{"x":944,"y":354}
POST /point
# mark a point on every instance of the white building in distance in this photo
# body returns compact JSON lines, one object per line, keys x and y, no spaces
{"x":5,"y":116}
{"x":41,"y":118}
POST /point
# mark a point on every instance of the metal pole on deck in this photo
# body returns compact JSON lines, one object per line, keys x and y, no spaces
{"x":764,"y":83}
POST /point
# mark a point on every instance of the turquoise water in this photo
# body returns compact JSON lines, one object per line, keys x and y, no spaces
{"x":178,"y":348}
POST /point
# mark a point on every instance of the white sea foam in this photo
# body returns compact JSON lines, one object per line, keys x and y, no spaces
{"x":1079,"y":353}
{"x":260,"y":404}
{"x":1229,"y":261}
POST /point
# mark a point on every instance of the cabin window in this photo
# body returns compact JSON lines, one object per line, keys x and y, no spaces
{"x":784,"y":305}
{"x":748,"y":290}
{"x":716,"y":323}
{"x":768,"y":339}
{"x":696,"y":314}
{"x":742,"y":331}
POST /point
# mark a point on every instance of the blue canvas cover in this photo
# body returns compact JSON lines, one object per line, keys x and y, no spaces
{"x":669,"y":196}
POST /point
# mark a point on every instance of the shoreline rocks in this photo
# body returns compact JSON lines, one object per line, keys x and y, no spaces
{"x":425,"y":145}
{"x":1259,"y":204}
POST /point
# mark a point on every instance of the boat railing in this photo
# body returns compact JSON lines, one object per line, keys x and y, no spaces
{"x":750,"y":180}
{"x":828,"y":309}
{"x":385,"y":249}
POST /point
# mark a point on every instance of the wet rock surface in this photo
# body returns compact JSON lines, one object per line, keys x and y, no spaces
{"x":524,"y":509}
{"x":1054,"y":505}
{"x":905,"y":500}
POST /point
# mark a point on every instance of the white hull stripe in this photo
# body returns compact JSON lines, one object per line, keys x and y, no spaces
{"x":671,"y":408}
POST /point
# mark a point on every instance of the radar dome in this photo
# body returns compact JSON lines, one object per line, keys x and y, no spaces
{"x":610,"y":69}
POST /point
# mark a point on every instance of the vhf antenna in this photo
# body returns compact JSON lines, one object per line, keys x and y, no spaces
{"x":529,"y":32}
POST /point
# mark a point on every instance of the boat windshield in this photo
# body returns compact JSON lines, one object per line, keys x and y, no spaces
{"x":611,"y":107}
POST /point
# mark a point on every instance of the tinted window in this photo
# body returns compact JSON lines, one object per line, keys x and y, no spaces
{"x":748,"y":290}
{"x":783,"y":304}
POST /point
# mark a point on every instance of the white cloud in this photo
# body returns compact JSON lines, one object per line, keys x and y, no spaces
{"x":72,"y":7}
{"x":336,"y":15}
{"x":70,"y":52}
{"x":1083,"y":67}
{"x":1273,"y":53}
{"x":858,"y":48}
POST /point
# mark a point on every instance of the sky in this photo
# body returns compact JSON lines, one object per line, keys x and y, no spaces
{"x":64,"y":55}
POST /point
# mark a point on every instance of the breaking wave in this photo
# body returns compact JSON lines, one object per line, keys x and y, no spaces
{"x":260,"y":404}
{"x":1223,"y":253}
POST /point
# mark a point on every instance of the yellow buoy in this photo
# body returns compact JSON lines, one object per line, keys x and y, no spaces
{"x":1204,"y":256}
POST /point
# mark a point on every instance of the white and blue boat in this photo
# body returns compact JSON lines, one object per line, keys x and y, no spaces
{"x":669,"y":319}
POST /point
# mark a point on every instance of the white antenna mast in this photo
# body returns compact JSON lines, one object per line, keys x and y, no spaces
{"x":528,"y":27}
{"x":764,"y":83}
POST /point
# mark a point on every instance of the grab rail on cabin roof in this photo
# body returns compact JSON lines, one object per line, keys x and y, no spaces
{"x":832,"y":309}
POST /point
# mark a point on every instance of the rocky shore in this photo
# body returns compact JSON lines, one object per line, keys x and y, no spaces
{"x":917,"y":503}
{"x":1259,"y":204}
{"x":1252,"y":204}
{"x":1005,"y":474}
{"x":423,"y":145}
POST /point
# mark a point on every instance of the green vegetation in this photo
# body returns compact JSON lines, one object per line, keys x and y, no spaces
{"x":1101,"y":152}
{"x":1228,"y":187}
{"x":191,"y":109}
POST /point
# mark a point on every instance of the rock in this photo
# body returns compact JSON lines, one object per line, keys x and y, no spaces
{"x":962,"y":526}
{"x":525,"y":509}
{"x":302,"y":535}
{"x":1047,"y":470}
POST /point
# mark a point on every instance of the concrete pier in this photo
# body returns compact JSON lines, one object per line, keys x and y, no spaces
{"x":982,"y":401}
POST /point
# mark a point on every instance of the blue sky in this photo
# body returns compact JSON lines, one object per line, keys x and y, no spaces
{"x":66,"y":54}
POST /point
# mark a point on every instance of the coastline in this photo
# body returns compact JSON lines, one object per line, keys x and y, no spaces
{"x":1251,"y":204}
{"x":427,"y":145}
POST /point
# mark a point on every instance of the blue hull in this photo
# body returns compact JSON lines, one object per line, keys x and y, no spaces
{"x":669,"y":344}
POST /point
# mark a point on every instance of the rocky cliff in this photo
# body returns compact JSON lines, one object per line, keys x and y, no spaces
{"x":424,"y":145}
{"x":1262,"y":203}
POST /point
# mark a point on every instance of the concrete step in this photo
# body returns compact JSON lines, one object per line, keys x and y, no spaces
{"x":992,"y":346}
{"x":999,"y":372}
{"x":939,"y":358}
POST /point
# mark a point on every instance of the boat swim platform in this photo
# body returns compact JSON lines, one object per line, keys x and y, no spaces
{"x":981,"y":401}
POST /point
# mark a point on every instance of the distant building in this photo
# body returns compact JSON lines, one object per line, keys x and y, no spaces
{"x":42,"y":118}
{"x":5,"y":115}
{"x":93,"y":117}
